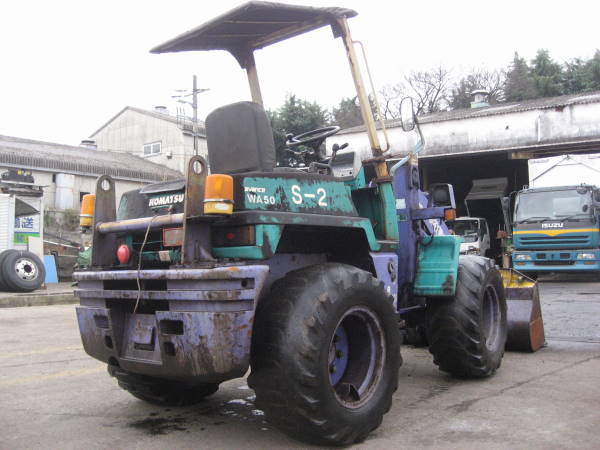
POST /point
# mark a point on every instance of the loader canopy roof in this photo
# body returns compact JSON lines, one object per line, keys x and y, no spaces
{"x":252,"y":26}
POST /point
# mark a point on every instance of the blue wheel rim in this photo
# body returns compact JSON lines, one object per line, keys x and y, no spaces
{"x":356,"y":357}
{"x":338,"y":358}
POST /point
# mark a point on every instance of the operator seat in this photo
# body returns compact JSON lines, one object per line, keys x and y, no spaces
{"x":240,"y":139}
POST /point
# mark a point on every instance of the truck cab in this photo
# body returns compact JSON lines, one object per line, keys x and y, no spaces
{"x":557,"y":229}
{"x":475,"y":235}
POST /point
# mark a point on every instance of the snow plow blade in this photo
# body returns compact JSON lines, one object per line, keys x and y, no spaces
{"x":524,"y":312}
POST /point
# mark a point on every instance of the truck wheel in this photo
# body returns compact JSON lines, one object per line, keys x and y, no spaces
{"x":325,"y":354}
{"x":3,"y":255}
{"x":22,"y":271}
{"x":467,"y":333}
{"x":161,"y":392}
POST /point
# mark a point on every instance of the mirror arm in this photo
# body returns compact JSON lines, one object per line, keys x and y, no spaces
{"x":421,"y":144}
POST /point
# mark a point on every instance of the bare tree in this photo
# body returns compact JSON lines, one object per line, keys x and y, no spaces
{"x":389,"y":98}
{"x":429,"y":89}
{"x":493,"y":81}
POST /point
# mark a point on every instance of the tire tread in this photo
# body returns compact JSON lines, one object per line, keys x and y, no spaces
{"x":453,"y":325}
{"x":286,"y":387}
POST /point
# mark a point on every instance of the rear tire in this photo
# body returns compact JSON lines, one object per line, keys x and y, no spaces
{"x":22,"y":271}
{"x":467,"y":333}
{"x":162,"y":392}
{"x":325,"y":354}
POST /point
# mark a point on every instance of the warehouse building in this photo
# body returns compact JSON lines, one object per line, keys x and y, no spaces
{"x":491,"y":141}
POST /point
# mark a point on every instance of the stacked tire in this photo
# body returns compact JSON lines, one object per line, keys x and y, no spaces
{"x":20,"y":271}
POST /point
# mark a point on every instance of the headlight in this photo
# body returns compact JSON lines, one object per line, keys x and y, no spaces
{"x":522,"y":257}
{"x":472,"y":251}
{"x":586,"y":256}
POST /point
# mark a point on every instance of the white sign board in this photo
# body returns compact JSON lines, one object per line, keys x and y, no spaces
{"x":28,"y":226}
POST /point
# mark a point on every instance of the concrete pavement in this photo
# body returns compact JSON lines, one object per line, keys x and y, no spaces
{"x":54,"y":396}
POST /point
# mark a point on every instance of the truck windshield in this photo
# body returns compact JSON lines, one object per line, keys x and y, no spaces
{"x":553,"y":205}
{"x":468,"y":229}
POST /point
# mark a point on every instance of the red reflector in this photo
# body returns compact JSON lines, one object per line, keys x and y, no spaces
{"x":123,"y":254}
{"x":230,"y":236}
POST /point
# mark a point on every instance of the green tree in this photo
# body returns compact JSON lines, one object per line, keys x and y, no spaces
{"x":519,"y":83}
{"x":460,"y":98}
{"x":592,"y":67}
{"x":547,"y":75}
{"x":295,"y":116}
{"x":575,"y":76}
{"x":347,"y":114}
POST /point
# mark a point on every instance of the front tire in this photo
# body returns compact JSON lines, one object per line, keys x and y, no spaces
{"x":467,"y":333}
{"x":325,"y":354}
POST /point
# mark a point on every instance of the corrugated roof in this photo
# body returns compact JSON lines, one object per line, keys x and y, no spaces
{"x":500,"y":108}
{"x":156,"y":115}
{"x":30,"y":154}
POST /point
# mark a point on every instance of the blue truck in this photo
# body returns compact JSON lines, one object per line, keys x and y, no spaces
{"x":557,"y":229}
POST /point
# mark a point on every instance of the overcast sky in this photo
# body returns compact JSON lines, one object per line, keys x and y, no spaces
{"x":67,"y":67}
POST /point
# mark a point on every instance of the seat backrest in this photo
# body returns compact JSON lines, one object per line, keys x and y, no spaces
{"x":240,"y":139}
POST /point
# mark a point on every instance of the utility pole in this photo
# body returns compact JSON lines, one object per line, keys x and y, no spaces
{"x":194,"y":105}
{"x":195,"y":117}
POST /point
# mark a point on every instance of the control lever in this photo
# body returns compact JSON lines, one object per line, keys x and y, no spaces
{"x":336,"y":148}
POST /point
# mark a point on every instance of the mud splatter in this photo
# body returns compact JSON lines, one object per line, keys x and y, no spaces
{"x":160,"y":425}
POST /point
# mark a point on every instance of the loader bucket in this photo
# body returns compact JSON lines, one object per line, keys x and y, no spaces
{"x":524,"y":312}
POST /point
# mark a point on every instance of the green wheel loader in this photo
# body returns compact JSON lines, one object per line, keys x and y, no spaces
{"x":307,"y":278}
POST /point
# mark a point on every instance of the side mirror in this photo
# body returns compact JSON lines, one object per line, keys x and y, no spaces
{"x":407,"y":114}
{"x":505,"y":204}
{"x":442,"y":194}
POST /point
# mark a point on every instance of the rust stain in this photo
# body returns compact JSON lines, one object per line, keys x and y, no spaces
{"x":448,"y":286}
{"x":223,"y":295}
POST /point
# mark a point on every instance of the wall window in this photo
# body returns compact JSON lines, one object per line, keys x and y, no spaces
{"x":152,"y":149}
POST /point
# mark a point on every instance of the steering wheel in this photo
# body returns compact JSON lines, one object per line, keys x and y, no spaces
{"x":311,"y":136}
